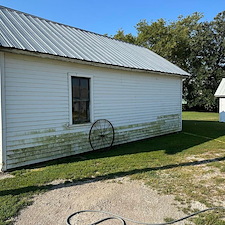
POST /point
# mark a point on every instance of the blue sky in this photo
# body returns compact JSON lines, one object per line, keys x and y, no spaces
{"x":106,"y":17}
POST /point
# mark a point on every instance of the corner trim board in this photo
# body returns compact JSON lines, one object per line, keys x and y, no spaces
{"x":3,"y":159}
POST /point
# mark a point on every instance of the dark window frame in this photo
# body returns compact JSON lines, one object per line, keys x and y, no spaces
{"x":81,"y":99}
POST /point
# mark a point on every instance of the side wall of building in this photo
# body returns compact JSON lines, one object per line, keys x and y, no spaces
{"x":2,"y":66}
{"x":222,"y":109}
{"x":37,"y":104}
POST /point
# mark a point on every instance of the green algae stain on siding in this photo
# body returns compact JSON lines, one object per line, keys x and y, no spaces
{"x":171,"y":116}
{"x":40,"y":131}
{"x":163,"y":125}
{"x":49,"y":144}
{"x":50,"y":147}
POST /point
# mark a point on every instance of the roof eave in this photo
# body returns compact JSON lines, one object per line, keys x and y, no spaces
{"x":219,"y":96}
{"x":86,"y":62}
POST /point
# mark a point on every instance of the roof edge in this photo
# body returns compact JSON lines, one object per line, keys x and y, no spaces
{"x":219,"y":96}
{"x":79,"y":61}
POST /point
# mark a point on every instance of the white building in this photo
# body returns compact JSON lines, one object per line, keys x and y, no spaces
{"x":57,"y":80}
{"x":220,"y":93}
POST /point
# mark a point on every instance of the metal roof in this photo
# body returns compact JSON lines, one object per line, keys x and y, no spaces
{"x":23,"y":31}
{"x":220,"y":92}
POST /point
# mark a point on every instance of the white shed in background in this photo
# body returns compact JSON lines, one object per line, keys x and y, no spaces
{"x":220,"y":93}
{"x":57,"y":81}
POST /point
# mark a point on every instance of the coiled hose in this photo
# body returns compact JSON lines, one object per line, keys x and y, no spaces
{"x":123,"y":219}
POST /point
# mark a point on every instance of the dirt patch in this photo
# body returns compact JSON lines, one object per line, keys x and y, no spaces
{"x":131,"y":199}
{"x":5,"y":175}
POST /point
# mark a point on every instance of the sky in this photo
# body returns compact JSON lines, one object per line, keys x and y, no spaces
{"x":107,"y":17}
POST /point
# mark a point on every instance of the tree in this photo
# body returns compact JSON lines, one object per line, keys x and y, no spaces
{"x":125,"y":37}
{"x":170,"y":40}
{"x":197,"y":47}
{"x":207,"y":61}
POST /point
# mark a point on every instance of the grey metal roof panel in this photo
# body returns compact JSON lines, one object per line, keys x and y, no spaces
{"x":30,"y":33}
{"x":220,"y":92}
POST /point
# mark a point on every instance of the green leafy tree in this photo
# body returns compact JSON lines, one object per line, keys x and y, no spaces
{"x":125,"y":37}
{"x":170,"y":40}
{"x":207,"y":61}
{"x":197,"y":47}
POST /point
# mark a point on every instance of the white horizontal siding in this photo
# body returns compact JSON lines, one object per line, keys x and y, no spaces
{"x":222,"y":109}
{"x":136,"y":98}
{"x":38,"y":114}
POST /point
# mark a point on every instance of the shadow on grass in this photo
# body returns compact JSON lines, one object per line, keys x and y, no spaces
{"x":75,"y":182}
{"x":210,"y":129}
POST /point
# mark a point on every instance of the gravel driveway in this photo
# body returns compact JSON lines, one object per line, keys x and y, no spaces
{"x":122,"y":196}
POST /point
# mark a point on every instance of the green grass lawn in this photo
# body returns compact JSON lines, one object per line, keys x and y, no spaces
{"x":189,"y":165}
{"x":204,"y":116}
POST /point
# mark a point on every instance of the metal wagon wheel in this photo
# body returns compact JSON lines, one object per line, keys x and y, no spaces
{"x":101,"y":135}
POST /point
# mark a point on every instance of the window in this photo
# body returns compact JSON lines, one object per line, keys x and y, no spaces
{"x":80,"y":100}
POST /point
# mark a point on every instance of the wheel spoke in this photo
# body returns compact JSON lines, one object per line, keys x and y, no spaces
{"x":101,"y":134}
